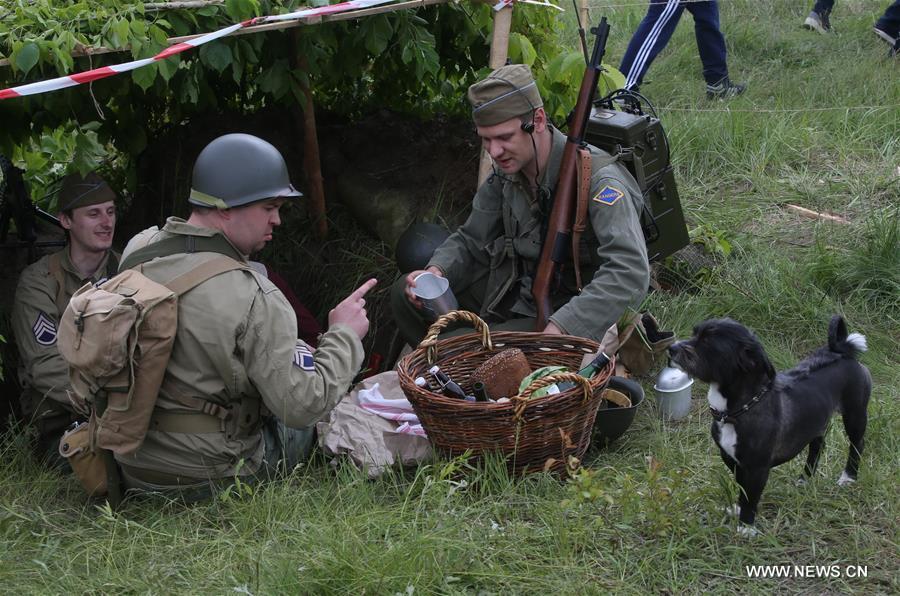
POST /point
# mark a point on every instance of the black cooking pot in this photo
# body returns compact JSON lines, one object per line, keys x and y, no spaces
{"x":613,"y":421}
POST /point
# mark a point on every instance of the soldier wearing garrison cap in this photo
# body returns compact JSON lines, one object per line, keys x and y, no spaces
{"x":87,"y":211}
{"x":241,"y":392}
{"x":492,"y":258}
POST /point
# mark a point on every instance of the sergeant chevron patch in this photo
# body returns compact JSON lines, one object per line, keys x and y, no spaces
{"x":608,"y":195}
{"x":303,"y":358}
{"x":44,"y":330}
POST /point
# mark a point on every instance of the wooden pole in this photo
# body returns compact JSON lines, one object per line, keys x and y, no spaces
{"x":312,"y":164}
{"x":499,"y":53}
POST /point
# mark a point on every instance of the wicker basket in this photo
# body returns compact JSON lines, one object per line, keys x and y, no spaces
{"x":534,"y":434}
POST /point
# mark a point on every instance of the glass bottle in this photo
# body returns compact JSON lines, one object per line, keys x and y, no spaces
{"x":448,"y":386}
{"x":592,"y":368}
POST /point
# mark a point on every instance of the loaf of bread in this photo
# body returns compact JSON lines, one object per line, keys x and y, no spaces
{"x":502,"y":373}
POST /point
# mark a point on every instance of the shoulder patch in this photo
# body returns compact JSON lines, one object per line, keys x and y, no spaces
{"x":608,"y":195}
{"x":44,"y":330}
{"x":303,"y":358}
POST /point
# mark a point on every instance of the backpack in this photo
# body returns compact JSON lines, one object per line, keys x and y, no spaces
{"x":117,"y":338}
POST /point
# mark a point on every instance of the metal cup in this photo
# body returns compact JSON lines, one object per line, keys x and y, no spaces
{"x":435,"y":293}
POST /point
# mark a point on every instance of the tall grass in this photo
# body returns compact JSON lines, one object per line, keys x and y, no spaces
{"x":644,"y":515}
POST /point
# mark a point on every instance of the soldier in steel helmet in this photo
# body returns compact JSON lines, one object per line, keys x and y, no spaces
{"x":491,"y":259}
{"x":87,"y":211}
{"x":241,"y":392}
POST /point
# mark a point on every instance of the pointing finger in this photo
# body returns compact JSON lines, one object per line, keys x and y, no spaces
{"x":359,"y":292}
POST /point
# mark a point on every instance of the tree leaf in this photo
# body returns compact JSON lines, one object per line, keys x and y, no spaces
{"x":26,"y":57}
{"x":217,"y":55}
{"x":144,"y":76}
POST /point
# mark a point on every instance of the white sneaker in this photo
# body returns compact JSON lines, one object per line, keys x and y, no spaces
{"x":818,"y":22}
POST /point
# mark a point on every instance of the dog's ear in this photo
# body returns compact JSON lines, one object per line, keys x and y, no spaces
{"x":753,"y":359}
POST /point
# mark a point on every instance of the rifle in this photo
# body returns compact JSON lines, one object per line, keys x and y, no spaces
{"x":555,"y":249}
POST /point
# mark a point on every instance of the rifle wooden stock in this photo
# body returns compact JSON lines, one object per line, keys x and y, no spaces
{"x":557,"y":244}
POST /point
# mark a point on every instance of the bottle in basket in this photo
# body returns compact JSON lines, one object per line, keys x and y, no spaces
{"x":448,"y":386}
{"x":480,"y":392}
{"x":595,"y":366}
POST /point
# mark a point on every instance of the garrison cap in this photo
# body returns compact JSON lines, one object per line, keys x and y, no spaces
{"x":81,"y":191}
{"x":507,"y":92}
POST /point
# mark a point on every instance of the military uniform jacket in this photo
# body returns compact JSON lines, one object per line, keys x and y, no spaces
{"x":236,"y":346}
{"x":37,"y":309}
{"x":502,"y":240}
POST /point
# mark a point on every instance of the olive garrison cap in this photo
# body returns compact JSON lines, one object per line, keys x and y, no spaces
{"x":507,"y":92}
{"x":81,"y":191}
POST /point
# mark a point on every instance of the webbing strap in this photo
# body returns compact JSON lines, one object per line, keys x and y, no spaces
{"x":182,"y":243}
{"x":181,"y":393}
{"x":581,"y":208}
{"x":56,"y":271}
{"x":188,"y":423}
{"x":199,"y":274}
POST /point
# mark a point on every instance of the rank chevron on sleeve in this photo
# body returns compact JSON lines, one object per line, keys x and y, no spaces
{"x":108,"y":71}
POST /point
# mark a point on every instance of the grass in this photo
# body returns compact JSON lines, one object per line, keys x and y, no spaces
{"x":645,"y":514}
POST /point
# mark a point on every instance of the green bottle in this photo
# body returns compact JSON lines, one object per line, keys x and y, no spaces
{"x":593,"y":367}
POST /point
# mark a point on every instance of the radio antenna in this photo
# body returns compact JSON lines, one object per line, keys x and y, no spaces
{"x":581,"y":34}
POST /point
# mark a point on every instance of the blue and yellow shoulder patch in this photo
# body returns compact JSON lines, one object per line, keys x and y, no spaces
{"x":608,"y":195}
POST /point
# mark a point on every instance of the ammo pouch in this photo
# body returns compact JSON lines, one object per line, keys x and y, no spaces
{"x":87,"y":461}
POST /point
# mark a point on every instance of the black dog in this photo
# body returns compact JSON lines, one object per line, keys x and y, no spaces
{"x":763,"y":419}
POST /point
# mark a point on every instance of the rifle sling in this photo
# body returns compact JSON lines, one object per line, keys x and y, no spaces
{"x":581,"y":208}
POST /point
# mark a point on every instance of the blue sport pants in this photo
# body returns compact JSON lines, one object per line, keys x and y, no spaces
{"x":656,"y":29}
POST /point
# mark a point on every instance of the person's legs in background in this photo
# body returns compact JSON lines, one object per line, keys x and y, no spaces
{"x":819,"y":18}
{"x":651,"y":37}
{"x":711,"y":46}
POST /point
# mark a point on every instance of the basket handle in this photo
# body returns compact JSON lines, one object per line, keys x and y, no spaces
{"x":521,"y":400}
{"x":430,"y":341}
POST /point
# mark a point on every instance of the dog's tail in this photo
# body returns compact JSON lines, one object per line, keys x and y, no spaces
{"x":839,"y":341}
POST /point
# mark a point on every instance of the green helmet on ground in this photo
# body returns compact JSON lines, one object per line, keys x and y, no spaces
{"x":239,"y":169}
{"x":416,"y":245}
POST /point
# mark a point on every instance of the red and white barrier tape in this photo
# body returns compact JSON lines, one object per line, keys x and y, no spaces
{"x":108,"y":71}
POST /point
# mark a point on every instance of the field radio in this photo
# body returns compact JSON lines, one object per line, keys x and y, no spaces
{"x":641,"y":142}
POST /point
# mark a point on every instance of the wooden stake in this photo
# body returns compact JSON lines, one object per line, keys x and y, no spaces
{"x":810,"y":214}
{"x":499,"y":53}
{"x":311,"y":162}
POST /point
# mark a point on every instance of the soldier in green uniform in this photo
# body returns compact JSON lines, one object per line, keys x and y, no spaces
{"x":241,"y":392}
{"x":88,"y":213}
{"x":492,"y":258}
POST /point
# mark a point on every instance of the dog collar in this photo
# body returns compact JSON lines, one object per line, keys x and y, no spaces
{"x":731,"y":416}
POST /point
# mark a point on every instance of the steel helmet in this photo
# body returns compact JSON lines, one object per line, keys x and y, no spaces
{"x":239,"y":169}
{"x":416,"y":245}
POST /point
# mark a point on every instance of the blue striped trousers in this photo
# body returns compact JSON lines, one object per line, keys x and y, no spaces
{"x":656,"y":29}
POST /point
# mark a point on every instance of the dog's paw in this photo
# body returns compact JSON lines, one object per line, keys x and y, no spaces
{"x":801,"y":481}
{"x":845,"y":479}
{"x":747,"y":531}
{"x":732,"y":510}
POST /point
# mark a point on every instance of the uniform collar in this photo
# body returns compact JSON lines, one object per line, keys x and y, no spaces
{"x":550,"y":175}
{"x":180,"y":227}
{"x":69,"y":267}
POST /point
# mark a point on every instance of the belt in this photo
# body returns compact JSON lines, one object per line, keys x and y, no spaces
{"x":186,"y":422}
{"x":161,"y":478}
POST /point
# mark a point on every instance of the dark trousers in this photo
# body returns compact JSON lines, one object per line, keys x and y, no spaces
{"x":823,"y":6}
{"x":890,"y":20}
{"x":656,"y":29}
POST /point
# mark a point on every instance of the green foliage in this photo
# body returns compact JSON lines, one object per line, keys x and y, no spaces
{"x":417,"y":62}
